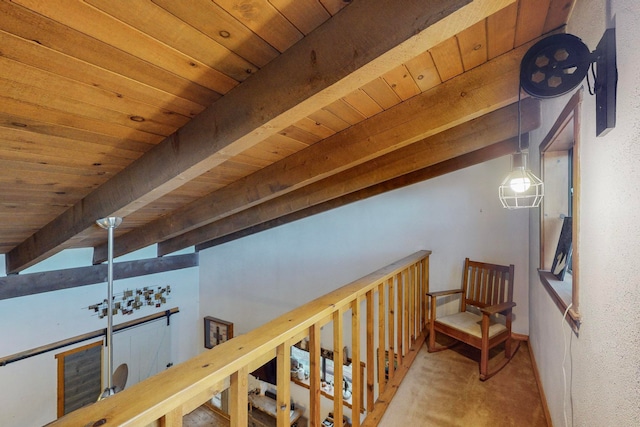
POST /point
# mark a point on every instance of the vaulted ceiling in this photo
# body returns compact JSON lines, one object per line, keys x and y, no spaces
{"x":203,"y":120}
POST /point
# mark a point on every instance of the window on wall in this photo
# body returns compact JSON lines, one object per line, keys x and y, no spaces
{"x":559,"y":215}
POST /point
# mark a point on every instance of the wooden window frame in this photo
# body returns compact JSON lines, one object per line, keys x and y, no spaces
{"x":564,"y":136}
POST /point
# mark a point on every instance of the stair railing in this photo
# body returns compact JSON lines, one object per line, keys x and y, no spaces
{"x":395,"y":314}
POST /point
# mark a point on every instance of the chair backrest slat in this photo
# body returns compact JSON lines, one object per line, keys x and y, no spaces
{"x":487,"y":284}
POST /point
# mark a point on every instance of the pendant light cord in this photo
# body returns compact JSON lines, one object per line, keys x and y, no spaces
{"x":519,"y":120}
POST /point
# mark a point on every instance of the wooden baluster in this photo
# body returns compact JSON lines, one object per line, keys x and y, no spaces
{"x":239,"y":398}
{"x":392,"y":329}
{"x":283,"y":402}
{"x":370,"y":350}
{"x":412,"y":305}
{"x":356,"y":373}
{"x":416,"y":299}
{"x":337,"y":367}
{"x":381,"y":336}
{"x":314,"y":376}
{"x":399,"y":318}
{"x":255,"y":348}
{"x":407,"y":304}
{"x":172,"y":418}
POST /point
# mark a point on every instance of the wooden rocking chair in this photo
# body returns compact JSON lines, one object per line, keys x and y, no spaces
{"x":486,"y":293}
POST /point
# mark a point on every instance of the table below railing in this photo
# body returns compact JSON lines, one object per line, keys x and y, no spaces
{"x":395,"y":314}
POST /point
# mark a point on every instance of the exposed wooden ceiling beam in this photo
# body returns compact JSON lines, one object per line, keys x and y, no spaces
{"x":481,"y":90}
{"x":494,"y":151}
{"x":21,"y":285}
{"x":332,"y":61}
{"x":500,"y":125}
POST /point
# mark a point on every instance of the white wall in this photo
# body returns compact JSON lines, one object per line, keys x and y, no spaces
{"x":36,"y":320}
{"x":603,"y":363}
{"x":255,"y":279}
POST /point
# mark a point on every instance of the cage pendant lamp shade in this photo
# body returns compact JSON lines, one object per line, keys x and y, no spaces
{"x":521,"y":188}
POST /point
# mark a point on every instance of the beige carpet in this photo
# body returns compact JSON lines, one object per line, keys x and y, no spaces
{"x":442,"y":389}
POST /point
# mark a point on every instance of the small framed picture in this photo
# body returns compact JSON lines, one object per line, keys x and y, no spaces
{"x":216,"y":331}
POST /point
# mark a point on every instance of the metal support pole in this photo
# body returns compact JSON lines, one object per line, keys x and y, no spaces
{"x":109,"y":223}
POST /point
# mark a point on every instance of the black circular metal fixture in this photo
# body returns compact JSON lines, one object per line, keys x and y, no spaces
{"x":554,"y":66}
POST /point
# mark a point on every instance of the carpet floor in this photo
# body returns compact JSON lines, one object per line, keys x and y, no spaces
{"x":443,"y":389}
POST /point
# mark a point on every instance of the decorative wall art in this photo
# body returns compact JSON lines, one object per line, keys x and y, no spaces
{"x":130,"y":300}
{"x":216,"y":331}
{"x":562,"y":259}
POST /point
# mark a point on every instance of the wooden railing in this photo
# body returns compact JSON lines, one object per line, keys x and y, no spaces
{"x":395,"y":314}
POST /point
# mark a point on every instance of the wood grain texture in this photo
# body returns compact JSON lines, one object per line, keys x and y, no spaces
{"x":87,"y":20}
{"x":387,"y":131}
{"x":338,"y":341}
{"x":473,"y":45}
{"x":530,"y":24}
{"x":447,"y":59}
{"x":356,"y":398}
{"x":501,"y":31}
{"x":496,"y":150}
{"x":29,"y":284}
{"x":223,"y":90}
{"x":197,"y":154}
{"x":238,"y":397}
{"x":211,"y":19}
{"x":469,"y":137}
{"x":315,"y":415}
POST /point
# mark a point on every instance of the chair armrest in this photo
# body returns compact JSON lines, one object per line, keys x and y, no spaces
{"x":498,"y":308}
{"x":443,"y":293}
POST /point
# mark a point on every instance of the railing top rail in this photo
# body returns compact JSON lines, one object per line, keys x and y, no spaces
{"x":149,"y":400}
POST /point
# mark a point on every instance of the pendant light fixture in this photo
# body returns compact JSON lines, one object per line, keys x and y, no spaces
{"x":111,"y":223}
{"x":553,"y":67}
{"x":521,"y":188}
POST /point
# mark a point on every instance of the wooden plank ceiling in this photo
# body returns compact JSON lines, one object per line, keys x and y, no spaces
{"x":199,"y":121}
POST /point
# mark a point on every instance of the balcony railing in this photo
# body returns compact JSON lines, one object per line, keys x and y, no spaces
{"x":387,"y":306}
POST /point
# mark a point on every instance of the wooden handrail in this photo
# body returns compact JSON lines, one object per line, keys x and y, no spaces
{"x":167,"y":396}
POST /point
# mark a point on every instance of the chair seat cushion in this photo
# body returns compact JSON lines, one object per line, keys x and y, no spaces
{"x":470,"y":323}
